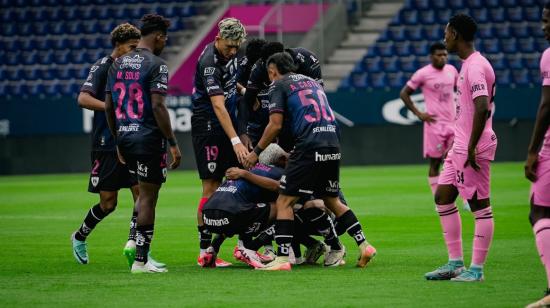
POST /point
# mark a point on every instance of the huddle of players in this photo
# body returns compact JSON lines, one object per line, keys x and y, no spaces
{"x":461,"y":136}
{"x":279,"y":97}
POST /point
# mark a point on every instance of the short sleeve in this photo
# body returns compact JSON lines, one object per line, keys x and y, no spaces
{"x":110,"y":78}
{"x":212,"y":79}
{"x":545,"y":68}
{"x":477,"y":82}
{"x":158,"y":83}
{"x":417,"y":80}
{"x":277,"y":98}
{"x":93,"y":82}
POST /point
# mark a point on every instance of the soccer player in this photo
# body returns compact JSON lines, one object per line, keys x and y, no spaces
{"x":108,"y":174}
{"x":437,"y":81}
{"x":258,"y":85}
{"x":314,"y":165}
{"x":139,"y":121}
{"x":215,"y":142}
{"x":537,"y":166}
{"x":466,"y":170}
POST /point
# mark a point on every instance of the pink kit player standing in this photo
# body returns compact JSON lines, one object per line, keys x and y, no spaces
{"x":466,"y":170}
{"x":437,"y":81}
{"x":537,"y":167}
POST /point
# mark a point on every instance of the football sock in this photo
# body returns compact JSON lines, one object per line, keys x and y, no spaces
{"x":452,"y":229}
{"x":205,"y":237}
{"x":348,"y":222}
{"x":132,"y":233}
{"x":296,"y":248}
{"x":264,"y":238}
{"x":144,"y":236}
{"x":284,"y":229}
{"x":323,"y":224}
{"x":94,"y":216}
{"x":217,"y":242}
{"x":542,"y":238}
{"x":483,"y":235}
{"x":433,"y":183}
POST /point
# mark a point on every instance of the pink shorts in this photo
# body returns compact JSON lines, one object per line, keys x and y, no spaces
{"x":466,"y":180}
{"x":437,"y":139}
{"x":540,"y":190}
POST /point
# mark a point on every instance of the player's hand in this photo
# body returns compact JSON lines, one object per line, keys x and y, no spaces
{"x":471,"y":160}
{"x":234,"y":173}
{"x":120,"y":157}
{"x":531,"y":166}
{"x":240,"y":151}
{"x":176,"y":156}
{"x":251,"y":160}
{"x":246,"y":142}
{"x":426,"y":117}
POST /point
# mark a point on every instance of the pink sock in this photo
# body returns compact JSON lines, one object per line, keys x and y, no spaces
{"x":433,"y":183}
{"x":542,"y":237}
{"x":452,"y":229}
{"x":483,"y":235}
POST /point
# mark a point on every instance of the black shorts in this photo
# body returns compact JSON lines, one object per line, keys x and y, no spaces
{"x":147,"y":168}
{"x":213,"y":154}
{"x":250,"y":222}
{"x":108,"y":174}
{"x":315,"y":172}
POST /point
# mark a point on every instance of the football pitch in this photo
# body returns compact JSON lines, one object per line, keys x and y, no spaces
{"x":393,"y":203}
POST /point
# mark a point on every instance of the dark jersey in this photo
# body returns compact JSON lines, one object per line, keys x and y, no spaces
{"x":132,"y":79}
{"x":245,"y":193}
{"x":102,"y":140}
{"x":213,"y":76}
{"x":305,"y":106}
{"x":307,"y":63}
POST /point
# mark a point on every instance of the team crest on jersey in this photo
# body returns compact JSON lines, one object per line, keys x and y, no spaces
{"x":164,"y":69}
{"x":209,"y":71}
{"x":212,"y":166}
{"x":95,"y":181}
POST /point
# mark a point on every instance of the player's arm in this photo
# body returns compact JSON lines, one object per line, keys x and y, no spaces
{"x":271,"y":131}
{"x":405,"y":95}
{"x":110,"y":113}
{"x":87,"y":101}
{"x":541,"y":126}
{"x":262,"y":181}
{"x":481,"y":113}
{"x":162,"y":117}
{"x":218,"y":102}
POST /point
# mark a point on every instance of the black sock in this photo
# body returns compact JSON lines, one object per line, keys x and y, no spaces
{"x":283,"y":237}
{"x":132,"y":233}
{"x":94,"y":216}
{"x":144,"y":236}
{"x":323,"y":224}
{"x":296,"y":248}
{"x":217,"y":242}
{"x":349,"y":223}
{"x":264,"y":238}
{"x":305,"y":239}
{"x":205,"y":237}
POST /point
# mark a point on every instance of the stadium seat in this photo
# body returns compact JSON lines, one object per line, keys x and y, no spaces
{"x":30,"y":57}
{"x":509,"y":45}
{"x":520,"y":30}
{"x":438,"y":4}
{"x":409,"y":17}
{"x":503,"y":77}
{"x":385,"y":49}
{"x":427,"y":17}
{"x":532,"y":13}
{"x":474,"y":4}
{"x":391,"y":64}
{"x":521,"y":77}
{"x":443,"y":16}
{"x":456,"y":4}
{"x":403,"y":48}
{"x":481,"y":15}
{"x":396,"y":33}
{"x":498,"y":61}
{"x":515,"y":61}
{"x":435,"y":33}
{"x":502,"y":30}
{"x":37,"y":89}
{"x":46,"y":57}
{"x":534,"y":76}
{"x":491,"y":45}
{"x":359,"y":80}
{"x":515,"y":13}
{"x":414,"y":33}
{"x":497,"y":14}
{"x":527,"y":45}
{"x":485,"y":31}
{"x":532,"y":61}
{"x":421,"y":48}
{"x":54,"y":89}
{"x":372,"y":64}
{"x":508,"y":3}
{"x":408,"y":64}
{"x":378,"y":80}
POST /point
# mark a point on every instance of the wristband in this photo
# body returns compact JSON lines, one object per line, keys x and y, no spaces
{"x":172,"y":142}
{"x":243,"y":91}
{"x":258,"y":150}
{"x":235,"y":140}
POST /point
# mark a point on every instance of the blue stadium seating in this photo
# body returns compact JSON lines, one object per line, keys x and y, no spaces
{"x":57,"y":40}
{"x":509,"y":35}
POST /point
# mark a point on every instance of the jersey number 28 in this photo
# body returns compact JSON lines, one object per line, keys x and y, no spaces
{"x":135,"y":96}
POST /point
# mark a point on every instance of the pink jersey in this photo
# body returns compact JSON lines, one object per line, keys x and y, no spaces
{"x":476,"y":78}
{"x":545,"y":75}
{"x":438,"y":88}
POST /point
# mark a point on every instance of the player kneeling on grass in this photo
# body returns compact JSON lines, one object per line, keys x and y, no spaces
{"x":314,"y":165}
{"x":243,"y":205}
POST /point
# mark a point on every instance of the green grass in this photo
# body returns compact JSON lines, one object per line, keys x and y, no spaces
{"x":38,"y":213}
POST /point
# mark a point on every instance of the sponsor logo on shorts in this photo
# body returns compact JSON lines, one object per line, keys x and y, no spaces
{"x":333,"y":186}
{"x":142,"y":169}
{"x":327,"y":157}
{"x":216,"y":222}
{"x":95,"y":181}
{"x":231,"y":189}
{"x":209,"y":71}
{"x":212,"y":166}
